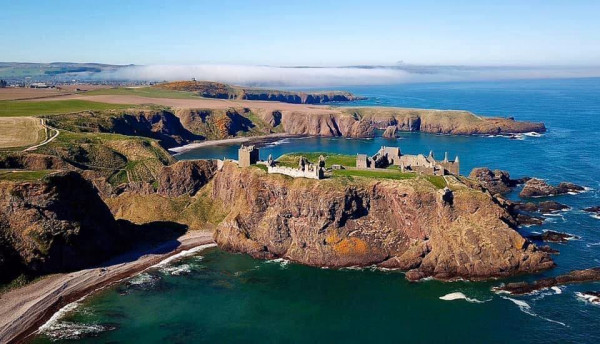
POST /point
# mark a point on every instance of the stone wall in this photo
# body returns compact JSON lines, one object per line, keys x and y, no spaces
{"x":310,"y":172}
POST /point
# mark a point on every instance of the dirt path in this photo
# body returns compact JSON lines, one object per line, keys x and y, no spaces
{"x":24,"y":310}
{"x":48,"y":140}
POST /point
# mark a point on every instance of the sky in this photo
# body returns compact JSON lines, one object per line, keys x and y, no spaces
{"x":303,"y":33}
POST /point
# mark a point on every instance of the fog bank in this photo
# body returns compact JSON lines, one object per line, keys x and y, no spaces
{"x":338,"y":76}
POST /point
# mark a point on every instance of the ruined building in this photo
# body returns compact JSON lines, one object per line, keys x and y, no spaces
{"x":247,"y":155}
{"x":392,"y":156}
{"x":305,"y":169}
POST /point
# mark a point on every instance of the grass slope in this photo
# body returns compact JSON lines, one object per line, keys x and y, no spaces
{"x":149,"y":92}
{"x":31,"y":108}
{"x":292,"y":159}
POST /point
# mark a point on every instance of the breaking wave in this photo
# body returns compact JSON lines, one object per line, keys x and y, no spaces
{"x":526,"y":308}
{"x":461,"y":296}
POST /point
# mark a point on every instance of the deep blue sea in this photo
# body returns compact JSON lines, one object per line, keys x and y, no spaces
{"x":220,"y":297}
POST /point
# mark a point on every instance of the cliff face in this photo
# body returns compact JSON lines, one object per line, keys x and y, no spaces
{"x":54,"y":225}
{"x":395,"y":224}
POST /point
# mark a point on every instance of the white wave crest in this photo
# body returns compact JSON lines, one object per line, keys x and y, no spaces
{"x":182,"y":254}
{"x":281,"y":261}
{"x":593,"y":299}
{"x":526,"y":308}
{"x":460,"y":296}
{"x":177,"y":270}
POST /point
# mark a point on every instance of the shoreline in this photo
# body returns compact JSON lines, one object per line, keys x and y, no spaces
{"x":244,"y":139}
{"x":24,"y":310}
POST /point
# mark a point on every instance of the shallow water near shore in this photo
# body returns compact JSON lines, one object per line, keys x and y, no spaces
{"x":221,"y":297}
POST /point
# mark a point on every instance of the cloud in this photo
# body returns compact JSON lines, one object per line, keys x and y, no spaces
{"x":338,"y":76}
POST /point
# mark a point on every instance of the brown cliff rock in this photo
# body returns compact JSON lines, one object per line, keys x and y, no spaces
{"x":185,"y":177}
{"x":497,"y":181}
{"x":396,"y":224}
{"x":539,"y":188}
{"x":390,"y":132}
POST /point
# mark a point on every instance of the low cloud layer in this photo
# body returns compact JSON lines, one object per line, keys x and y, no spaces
{"x":338,"y":76}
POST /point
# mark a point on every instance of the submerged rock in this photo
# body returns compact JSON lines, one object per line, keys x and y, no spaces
{"x":545,"y":207}
{"x":528,"y":220}
{"x":553,"y":236}
{"x":595,"y":210}
{"x":590,"y":296}
{"x":576,"y":276}
{"x":539,"y":188}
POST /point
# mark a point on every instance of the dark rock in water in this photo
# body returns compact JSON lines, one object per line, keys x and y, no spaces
{"x":539,"y":188}
{"x":564,"y":188}
{"x":528,"y":220}
{"x":542,"y":207}
{"x":590,"y":296}
{"x":553,"y":236}
{"x":497,"y":181}
{"x":595,"y":209}
{"x":390,"y":132}
{"x":548,"y":249}
{"x":576,"y":276}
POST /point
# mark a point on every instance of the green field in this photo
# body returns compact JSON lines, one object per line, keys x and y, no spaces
{"x":149,"y":92}
{"x":292,"y":159}
{"x":23,"y":175}
{"x":374,"y":174}
{"x":11,"y":108}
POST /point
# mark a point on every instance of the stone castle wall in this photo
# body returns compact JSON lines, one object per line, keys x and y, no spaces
{"x":313,"y":173}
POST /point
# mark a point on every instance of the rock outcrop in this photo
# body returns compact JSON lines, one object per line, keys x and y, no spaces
{"x":539,"y":188}
{"x":497,"y":181}
{"x":576,"y":276}
{"x":185,"y":177}
{"x":394,"y":224}
{"x":390,"y":132}
{"x":55,"y":225}
{"x":552,"y":236}
{"x":594,"y":210}
{"x":60,"y":223}
{"x":546,"y":207}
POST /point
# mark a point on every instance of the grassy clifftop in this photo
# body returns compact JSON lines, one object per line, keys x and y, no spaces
{"x":223,"y":91}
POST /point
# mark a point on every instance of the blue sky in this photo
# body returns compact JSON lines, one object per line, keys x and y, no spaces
{"x":317,"y":33}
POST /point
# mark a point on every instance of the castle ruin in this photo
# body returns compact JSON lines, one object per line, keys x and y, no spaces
{"x":392,"y":156}
{"x":247,"y":155}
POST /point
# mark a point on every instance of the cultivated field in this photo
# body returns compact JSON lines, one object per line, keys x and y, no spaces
{"x":20,"y":131}
{"x":11,"y":108}
{"x":20,"y":93}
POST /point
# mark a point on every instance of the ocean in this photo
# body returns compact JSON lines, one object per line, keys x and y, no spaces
{"x":215,"y":296}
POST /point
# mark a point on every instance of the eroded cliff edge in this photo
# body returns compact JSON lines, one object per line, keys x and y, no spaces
{"x":66,"y":222}
{"x":394,"y":224}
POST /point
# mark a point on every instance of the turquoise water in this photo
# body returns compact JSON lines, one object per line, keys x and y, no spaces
{"x":221,"y":297}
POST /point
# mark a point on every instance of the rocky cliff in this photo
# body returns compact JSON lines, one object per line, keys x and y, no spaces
{"x":209,"y":89}
{"x":60,"y":223}
{"x":394,"y":224}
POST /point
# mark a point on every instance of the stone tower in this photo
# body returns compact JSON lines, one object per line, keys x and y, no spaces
{"x":247,"y":155}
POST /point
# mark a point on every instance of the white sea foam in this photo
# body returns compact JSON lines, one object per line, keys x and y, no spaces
{"x":142,"y":279}
{"x":595,"y":300}
{"x":177,"y":270}
{"x":557,"y":290}
{"x":596,"y":216}
{"x":281,"y":261}
{"x":533,"y":134}
{"x":56,"y":329}
{"x":526,"y":308}
{"x":182,"y":254}
{"x":460,"y":296}
{"x":592,"y":244}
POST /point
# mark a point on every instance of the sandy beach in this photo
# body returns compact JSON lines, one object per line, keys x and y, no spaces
{"x":24,"y":310}
{"x":235,"y":140}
